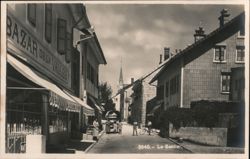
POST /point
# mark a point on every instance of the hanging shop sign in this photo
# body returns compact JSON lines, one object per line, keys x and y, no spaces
{"x":21,"y":42}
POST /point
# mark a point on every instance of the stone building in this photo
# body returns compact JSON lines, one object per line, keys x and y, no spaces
{"x":202,"y":70}
{"x":142,"y":93}
{"x":44,"y":99}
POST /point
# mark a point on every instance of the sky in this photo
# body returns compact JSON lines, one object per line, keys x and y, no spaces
{"x":134,"y":35}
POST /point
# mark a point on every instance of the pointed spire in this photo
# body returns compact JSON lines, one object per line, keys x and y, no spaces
{"x":121,"y":76}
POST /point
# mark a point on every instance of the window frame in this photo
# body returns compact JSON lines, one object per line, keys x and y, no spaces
{"x":239,"y":35}
{"x":227,"y":74}
{"x":236,"y":54}
{"x":68,"y":47}
{"x":48,"y":12}
{"x":64,"y":39}
{"x":225,"y":54}
{"x":32,"y":20}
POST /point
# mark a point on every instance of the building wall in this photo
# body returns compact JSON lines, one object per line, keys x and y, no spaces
{"x":45,"y":59}
{"x":149,"y":92}
{"x":91,"y":87}
{"x":173,"y":70}
{"x":202,"y":76}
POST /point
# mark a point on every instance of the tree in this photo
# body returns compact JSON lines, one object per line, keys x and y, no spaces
{"x":106,"y":96}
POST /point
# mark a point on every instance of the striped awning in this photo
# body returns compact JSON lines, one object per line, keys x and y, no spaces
{"x":58,"y":97}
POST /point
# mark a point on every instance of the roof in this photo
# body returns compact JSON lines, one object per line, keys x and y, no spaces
{"x":215,"y":35}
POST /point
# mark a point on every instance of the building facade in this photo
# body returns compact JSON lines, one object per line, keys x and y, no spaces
{"x":142,"y":93}
{"x":202,"y":70}
{"x":44,"y":96}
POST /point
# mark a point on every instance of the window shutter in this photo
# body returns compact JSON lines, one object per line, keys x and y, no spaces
{"x":48,"y":22}
{"x":32,"y":14}
{"x":69,"y":48}
{"x":61,"y":36}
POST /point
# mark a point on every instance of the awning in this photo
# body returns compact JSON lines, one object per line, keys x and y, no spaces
{"x":96,"y":105}
{"x":86,"y":108}
{"x":58,"y":98}
{"x":151,"y":113}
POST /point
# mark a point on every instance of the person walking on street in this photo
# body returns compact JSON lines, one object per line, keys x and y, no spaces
{"x":95,"y":130}
{"x":120,"y":127}
{"x":135,"y":125}
{"x":149,"y":127}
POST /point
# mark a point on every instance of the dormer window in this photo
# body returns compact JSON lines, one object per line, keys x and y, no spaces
{"x":220,"y":54}
{"x":241,"y":33}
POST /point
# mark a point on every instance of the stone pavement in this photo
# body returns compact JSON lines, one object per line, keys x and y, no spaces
{"x":199,"y":148}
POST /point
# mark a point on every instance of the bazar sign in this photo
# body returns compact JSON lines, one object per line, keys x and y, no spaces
{"x":32,"y":48}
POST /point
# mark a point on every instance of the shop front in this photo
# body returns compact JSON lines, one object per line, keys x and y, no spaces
{"x":39,"y":110}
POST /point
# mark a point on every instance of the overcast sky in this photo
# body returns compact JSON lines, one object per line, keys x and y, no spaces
{"x":138,"y":33}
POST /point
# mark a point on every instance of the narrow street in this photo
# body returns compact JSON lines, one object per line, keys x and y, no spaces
{"x":126,"y":143}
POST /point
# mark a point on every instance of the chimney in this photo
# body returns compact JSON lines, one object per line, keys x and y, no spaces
{"x":160,"y":59}
{"x":224,"y":17}
{"x":199,"y":34}
{"x":132,"y":80}
{"x":166,"y":53}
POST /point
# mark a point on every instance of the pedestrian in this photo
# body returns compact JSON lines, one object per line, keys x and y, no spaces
{"x":115,"y":127}
{"x":135,"y":125}
{"x":95,"y":130}
{"x":149,"y":124}
{"x":120,"y":127}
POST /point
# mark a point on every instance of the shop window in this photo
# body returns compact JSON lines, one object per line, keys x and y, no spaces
{"x":48,"y":22}
{"x":32,"y":14}
{"x":220,"y":54}
{"x":240,"y":54}
{"x":69,"y":48}
{"x":61,"y":36}
{"x":225,"y":82}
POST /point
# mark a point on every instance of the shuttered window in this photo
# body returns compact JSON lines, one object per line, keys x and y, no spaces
{"x":48,"y":22}
{"x":32,"y":14}
{"x":61,"y":36}
{"x":69,"y":48}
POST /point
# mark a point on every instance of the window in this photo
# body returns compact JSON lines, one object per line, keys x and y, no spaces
{"x":177,"y":83}
{"x":32,"y":14}
{"x":240,"y":54}
{"x":241,"y":33}
{"x":88,"y":70}
{"x":220,"y":54}
{"x":48,"y":22}
{"x":160,"y":92}
{"x":225,"y":82}
{"x":61,"y":36}
{"x":83,"y":62}
{"x":69,"y":48}
{"x":167,"y":89}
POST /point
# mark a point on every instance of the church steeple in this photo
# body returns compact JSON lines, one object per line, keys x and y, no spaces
{"x":121,"y":78}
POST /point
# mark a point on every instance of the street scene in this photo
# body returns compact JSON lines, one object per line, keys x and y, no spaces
{"x":122,"y":78}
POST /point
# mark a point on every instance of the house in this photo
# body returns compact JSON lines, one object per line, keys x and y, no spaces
{"x":44,"y":97}
{"x":202,"y":70}
{"x":90,"y":56}
{"x":142,"y":93}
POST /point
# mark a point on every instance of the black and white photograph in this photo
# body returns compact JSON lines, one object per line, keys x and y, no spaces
{"x":166,"y":79}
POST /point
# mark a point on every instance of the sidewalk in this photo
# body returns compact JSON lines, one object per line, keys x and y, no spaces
{"x":199,"y":148}
{"x":73,"y":146}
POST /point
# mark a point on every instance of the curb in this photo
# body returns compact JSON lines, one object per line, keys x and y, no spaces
{"x":180,"y":145}
{"x":93,"y":144}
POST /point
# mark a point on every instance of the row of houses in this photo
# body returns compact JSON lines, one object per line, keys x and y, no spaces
{"x":211,"y":69}
{"x":52,"y":75}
